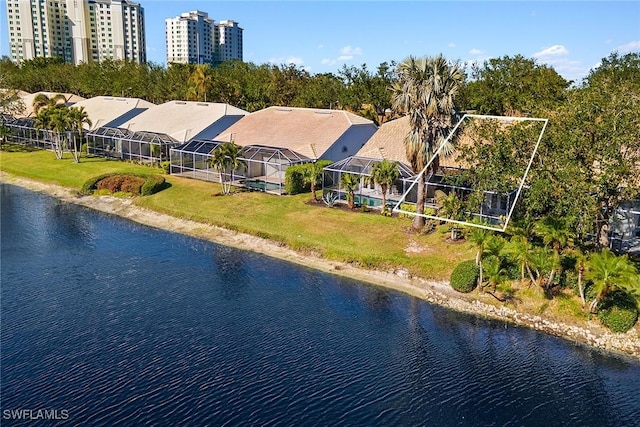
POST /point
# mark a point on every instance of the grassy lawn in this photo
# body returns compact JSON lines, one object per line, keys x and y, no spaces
{"x":366,"y":239}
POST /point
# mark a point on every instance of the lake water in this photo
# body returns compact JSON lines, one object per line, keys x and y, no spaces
{"x":111,"y":323}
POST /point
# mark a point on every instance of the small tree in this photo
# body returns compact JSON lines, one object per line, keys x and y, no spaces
{"x":349,"y":182}
{"x":312,"y":174}
{"x":384,"y":173}
{"x":227,"y":157}
{"x":78,"y":117}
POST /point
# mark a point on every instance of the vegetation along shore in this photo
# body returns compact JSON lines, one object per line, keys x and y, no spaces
{"x":566,"y":264}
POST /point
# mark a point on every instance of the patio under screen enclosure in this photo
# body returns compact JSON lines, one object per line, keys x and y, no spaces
{"x":263,"y":167}
{"x":367,"y":194}
{"x":438,"y":186}
{"x":145,"y":147}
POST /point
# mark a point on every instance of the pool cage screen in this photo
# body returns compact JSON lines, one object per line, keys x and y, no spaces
{"x":263,"y":167}
{"x":24,"y":132}
{"x":145,"y":147}
{"x":367,"y":193}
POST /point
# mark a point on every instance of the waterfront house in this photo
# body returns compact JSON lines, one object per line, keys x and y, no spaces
{"x":388,"y":143}
{"x":274,"y":139}
{"x":149,"y":135}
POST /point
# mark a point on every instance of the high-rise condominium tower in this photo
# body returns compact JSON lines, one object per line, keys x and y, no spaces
{"x":195,"y":38}
{"x":76,"y":30}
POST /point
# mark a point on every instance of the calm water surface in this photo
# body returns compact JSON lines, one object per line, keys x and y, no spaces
{"x":119,"y":324}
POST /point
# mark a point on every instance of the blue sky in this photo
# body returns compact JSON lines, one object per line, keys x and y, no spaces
{"x":571,"y":36}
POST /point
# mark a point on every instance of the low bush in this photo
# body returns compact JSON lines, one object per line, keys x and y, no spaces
{"x":618,"y":312}
{"x":464,"y":277}
{"x":144,"y":185}
{"x":152,"y":184}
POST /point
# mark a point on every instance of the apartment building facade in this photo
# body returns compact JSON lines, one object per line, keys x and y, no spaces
{"x":78,"y":31}
{"x":195,"y":38}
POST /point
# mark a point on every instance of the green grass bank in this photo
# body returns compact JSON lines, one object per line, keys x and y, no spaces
{"x":367,"y":240}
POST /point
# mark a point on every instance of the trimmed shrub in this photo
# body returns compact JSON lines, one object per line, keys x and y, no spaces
{"x":152,"y":185}
{"x":294,"y":180}
{"x":618,"y":312}
{"x":464,"y":277}
{"x":143,"y":185}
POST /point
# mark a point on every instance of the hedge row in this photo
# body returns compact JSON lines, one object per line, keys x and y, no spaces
{"x":152,"y":183}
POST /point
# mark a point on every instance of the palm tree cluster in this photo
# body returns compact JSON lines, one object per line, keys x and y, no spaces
{"x":546,"y":256}
{"x":53,"y":115}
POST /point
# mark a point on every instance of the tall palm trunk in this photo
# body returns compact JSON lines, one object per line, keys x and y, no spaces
{"x":419,"y":220}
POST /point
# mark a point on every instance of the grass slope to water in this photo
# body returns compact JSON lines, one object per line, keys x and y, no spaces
{"x":369,"y":240}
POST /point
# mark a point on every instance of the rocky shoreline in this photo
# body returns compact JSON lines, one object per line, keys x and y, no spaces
{"x":439,"y":293}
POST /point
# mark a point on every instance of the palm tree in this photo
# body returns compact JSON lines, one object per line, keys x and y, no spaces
{"x":425,"y":90}
{"x":496,"y":274}
{"x":41,"y":101}
{"x":227,"y":156}
{"x":57,"y":121}
{"x":201,"y":79}
{"x":479,"y":237}
{"x":608,"y":273}
{"x":384,"y":173}
{"x":349,"y":182}
{"x":78,"y":118}
{"x":556,"y":234}
{"x":521,"y":250}
{"x":312,"y":174}
{"x":451,"y":207}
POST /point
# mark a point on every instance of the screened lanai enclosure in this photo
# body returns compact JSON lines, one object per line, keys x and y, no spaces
{"x":144,"y":147}
{"x":23,"y":131}
{"x":263,"y":167}
{"x":493,"y":206}
{"x":489,"y":206}
{"x":367,"y":194}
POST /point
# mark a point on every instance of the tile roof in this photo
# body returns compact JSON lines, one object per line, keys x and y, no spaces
{"x":106,"y":110}
{"x":388,"y":142}
{"x":307,"y":131}
{"x":182,"y":120}
{"x":28,"y":98}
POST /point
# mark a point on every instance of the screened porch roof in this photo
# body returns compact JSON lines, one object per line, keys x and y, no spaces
{"x":259,"y":153}
{"x":25,"y":122}
{"x":363,"y":165}
{"x":265,"y":153}
{"x":121,"y":133}
{"x":199,"y":146}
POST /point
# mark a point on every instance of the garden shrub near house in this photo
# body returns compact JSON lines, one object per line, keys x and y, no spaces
{"x":619,"y":312}
{"x":464,"y":277}
{"x":143,"y":185}
{"x":294,"y":180}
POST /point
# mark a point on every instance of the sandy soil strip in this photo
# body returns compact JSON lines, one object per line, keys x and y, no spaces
{"x":436,"y":292}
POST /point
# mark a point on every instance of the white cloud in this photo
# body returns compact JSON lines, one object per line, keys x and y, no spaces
{"x":347,"y":53}
{"x":475,"y":52}
{"x":451,"y":45}
{"x":551,"y":52}
{"x":320,"y":46}
{"x":350,"y":51}
{"x":629,"y":47}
